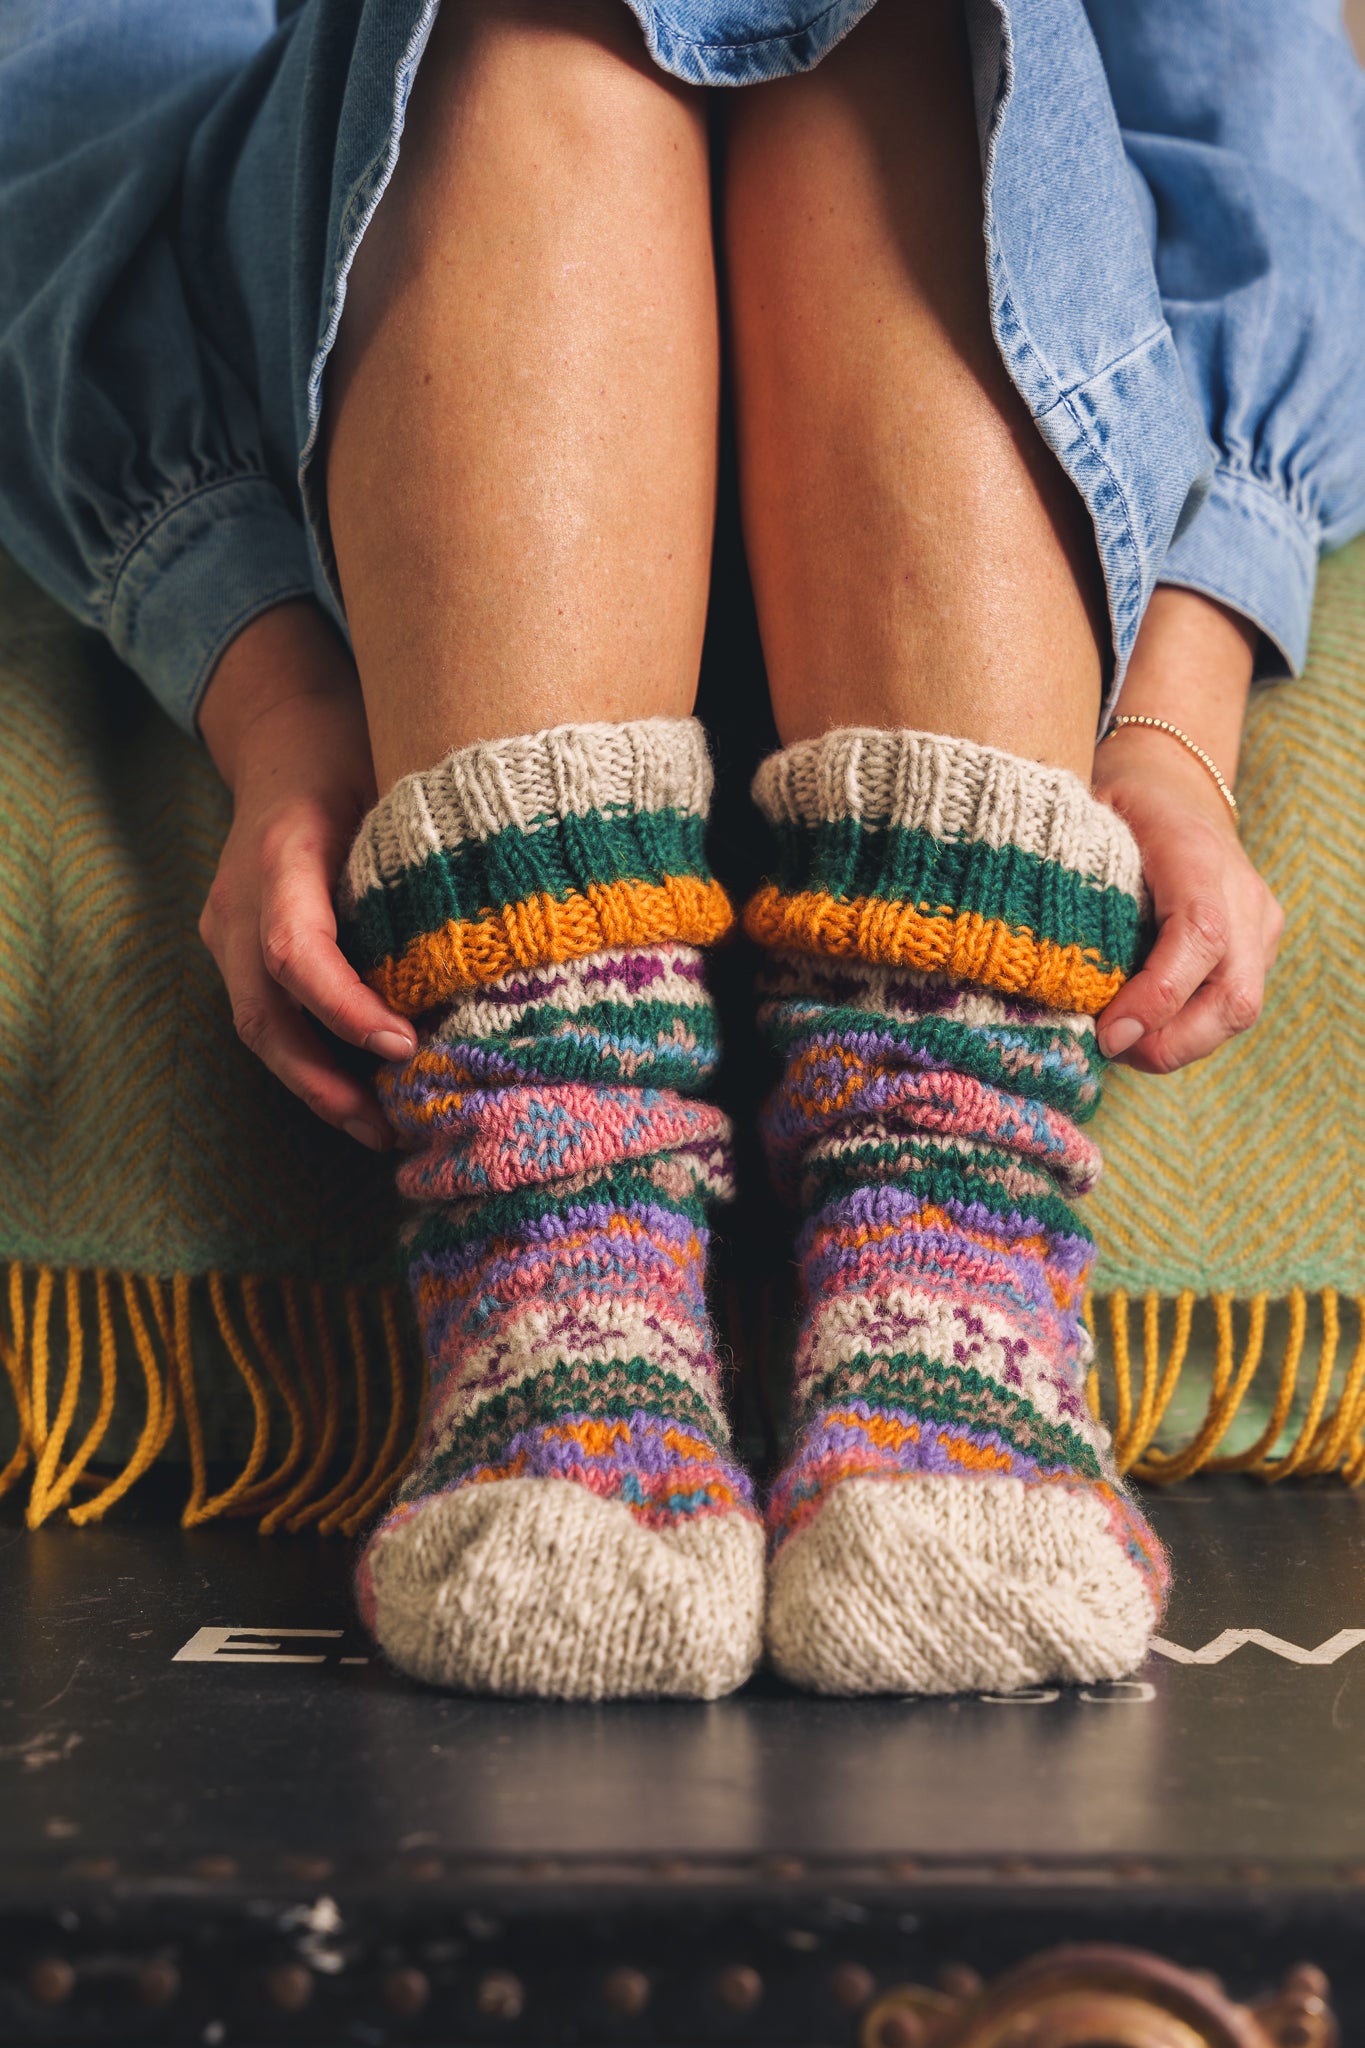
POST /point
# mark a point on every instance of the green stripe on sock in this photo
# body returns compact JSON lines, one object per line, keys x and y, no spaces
{"x":610,"y":1391}
{"x":934,"y":1392}
{"x":849,"y":859}
{"x":636,"y":1041}
{"x":964,"y":1048}
{"x":935,"y":1179}
{"x":482,"y":877}
{"x":626,"y":1189}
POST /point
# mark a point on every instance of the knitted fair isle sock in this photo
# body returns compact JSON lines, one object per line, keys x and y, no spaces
{"x":947,"y":920}
{"x":574,"y":1525}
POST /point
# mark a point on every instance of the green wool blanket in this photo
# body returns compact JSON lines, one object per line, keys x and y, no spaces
{"x":198,"y":1268}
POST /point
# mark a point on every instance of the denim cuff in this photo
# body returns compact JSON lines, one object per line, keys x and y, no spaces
{"x":191,"y":581}
{"x":1250,"y":549}
{"x":698,"y":53}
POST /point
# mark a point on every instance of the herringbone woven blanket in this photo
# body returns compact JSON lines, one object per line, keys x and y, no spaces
{"x":179,"y":1231}
{"x":194,"y":1262}
{"x":1236,"y":1179}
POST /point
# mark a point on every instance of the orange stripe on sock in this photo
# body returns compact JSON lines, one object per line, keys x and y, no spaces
{"x":967,"y":946}
{"x":469,"y":952}
{"x":592,"y":1434}
{"x":885,"y":1431}
{"x":976,"y":1457}
{"x":867,"y":1236}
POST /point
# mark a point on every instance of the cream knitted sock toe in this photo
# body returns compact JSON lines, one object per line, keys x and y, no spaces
{"x":955,"y":1585}
{"x":539,"y":1588}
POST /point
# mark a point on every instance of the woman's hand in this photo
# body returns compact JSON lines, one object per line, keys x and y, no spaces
{"x":1218,"y":926}
{"x":285,"y":724}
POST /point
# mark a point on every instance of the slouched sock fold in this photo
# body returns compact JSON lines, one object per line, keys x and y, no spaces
{"x":574,"y":1525}
{"x":944,"y":922}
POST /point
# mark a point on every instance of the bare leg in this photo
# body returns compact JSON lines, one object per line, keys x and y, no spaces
{"x":918,"y":556}
{"x":938,"y":944}
{"x":521,"y":469}
{"x":522,"y":476}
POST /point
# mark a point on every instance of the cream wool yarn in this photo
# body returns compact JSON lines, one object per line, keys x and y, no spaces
{"x":575,"y":1525}
{"x":536,"y":1587}
{"x":945,"y":921}
{"x":955,"y":1585}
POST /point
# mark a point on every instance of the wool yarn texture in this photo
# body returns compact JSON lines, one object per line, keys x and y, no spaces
{"x":945,"y":921}
{"x":574,"y":1525}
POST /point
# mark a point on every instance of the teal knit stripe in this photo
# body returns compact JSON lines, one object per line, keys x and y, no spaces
{"x":583,"y":1056}
{"x":849,"y":860}
{"x":937,"y":1393}
{"x":562,"y":858}
{"x":936,"y":1178}
{"x":651,"y":1044}
{"x":1048,"y":1063}
{"x":609,"y":1390}
{"x":631,"y":1189}
{"x":646,"y":1021}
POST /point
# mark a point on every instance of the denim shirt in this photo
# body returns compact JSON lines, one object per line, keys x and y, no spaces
{"x":1175,"y":245}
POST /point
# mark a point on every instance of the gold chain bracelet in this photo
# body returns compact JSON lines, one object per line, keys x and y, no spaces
{"x":1164,"y":725}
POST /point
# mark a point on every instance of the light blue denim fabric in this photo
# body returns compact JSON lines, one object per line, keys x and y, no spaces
{"x":742,"y":42}
{"x":1174,"y":239}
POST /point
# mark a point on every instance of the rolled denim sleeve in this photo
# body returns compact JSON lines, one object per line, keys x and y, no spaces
{"x":1245,"y":127}
{"x":133,"y":480}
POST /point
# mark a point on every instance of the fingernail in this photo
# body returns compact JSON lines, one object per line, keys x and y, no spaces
{"x":364,"y":1134}
{"x":390,"y":1045}
{"x":1120,"y":1036}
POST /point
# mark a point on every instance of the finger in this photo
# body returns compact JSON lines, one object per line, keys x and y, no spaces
{"x":1228,"y":1003}
{"x":269,"y":1026}
{"x":1191,"y":942}
{"x":300,"y":952}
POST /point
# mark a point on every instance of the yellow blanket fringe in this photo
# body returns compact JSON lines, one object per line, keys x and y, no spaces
{"x":1330,"y":1436}
{"x":295,"y":1392}
{"x":300,"y":1385}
